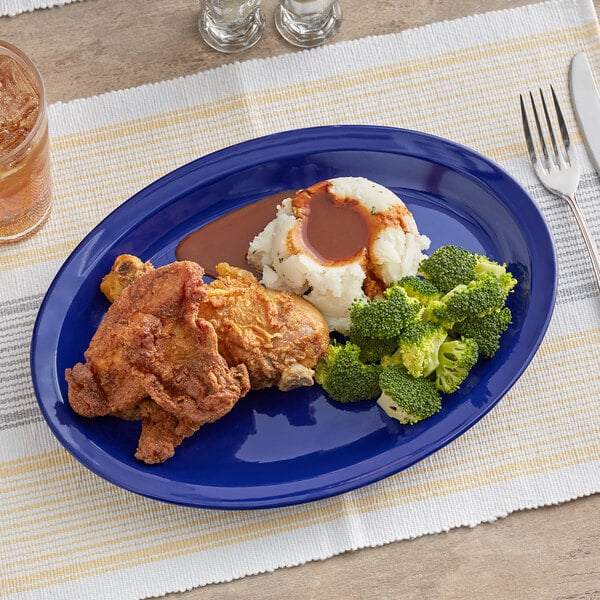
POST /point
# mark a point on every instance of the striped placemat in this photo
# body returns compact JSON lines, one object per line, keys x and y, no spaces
{"x":65,"y":533}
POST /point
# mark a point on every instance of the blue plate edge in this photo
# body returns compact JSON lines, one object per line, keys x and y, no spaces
{"x":364,"y":479}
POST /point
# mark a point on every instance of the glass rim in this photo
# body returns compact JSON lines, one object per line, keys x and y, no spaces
{"x":8,"y":49}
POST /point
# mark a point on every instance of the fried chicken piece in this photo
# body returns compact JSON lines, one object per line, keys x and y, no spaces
{"x":154,"y":359}
{"x":125,"y":270}
{"x":278,"y":336}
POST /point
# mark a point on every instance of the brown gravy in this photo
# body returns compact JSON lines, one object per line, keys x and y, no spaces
{"x":335,"y":231}
{"x":227,"y":238}
{"x":332,"y":230}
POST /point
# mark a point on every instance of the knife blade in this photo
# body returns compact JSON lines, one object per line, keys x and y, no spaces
{"x":586,"y":102}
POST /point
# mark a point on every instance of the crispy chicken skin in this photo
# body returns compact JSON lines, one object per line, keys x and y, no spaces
{"x":125,"y":270}
{"x":154,"y":359}
{"x":278,"y":336}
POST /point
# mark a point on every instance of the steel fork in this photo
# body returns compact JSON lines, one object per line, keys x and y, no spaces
{"x":558,"y":170}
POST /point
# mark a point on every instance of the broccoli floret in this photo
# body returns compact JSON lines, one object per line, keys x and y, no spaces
{"x":385,"y":318}
{"x":507,"y":282}
{"x":456,"y":357}
{"x":406,"y":398}
{"x":485,"y":266}
{"x":486,"y":331}
{"x":418,"y":348}
{"x":344,"y":376}
{"x":448,"y":267}
{"x":421,"y":289}
{"x":373,"y":350}
{"x":475,"y":299}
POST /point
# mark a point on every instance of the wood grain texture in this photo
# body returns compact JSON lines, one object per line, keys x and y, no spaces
{"x":546,"y":554}
{"x":95,"y":46}
{"x":551,"y":553}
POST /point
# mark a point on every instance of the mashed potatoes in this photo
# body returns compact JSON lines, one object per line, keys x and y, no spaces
{"x":337,"y":241}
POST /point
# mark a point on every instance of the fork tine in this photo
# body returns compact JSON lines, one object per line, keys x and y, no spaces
{"x":559,"y":175}
{"x":550,"y":128}
{"x":528,"y":137}
{"x":539,"y":128}
{"x":561,"y":121}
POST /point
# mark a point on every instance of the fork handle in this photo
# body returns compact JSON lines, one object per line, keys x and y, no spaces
{"x":587,"y":237}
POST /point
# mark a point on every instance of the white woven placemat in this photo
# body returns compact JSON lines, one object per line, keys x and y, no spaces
{"x":11,"y":8}
{"x":65,"y":533}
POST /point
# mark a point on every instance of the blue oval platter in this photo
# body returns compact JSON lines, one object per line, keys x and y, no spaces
{"x":274,"y":448}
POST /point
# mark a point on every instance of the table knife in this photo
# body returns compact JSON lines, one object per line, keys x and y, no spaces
{"x":586,"y":102}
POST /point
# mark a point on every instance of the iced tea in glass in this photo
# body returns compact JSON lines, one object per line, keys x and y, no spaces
{"x":25,"y":183}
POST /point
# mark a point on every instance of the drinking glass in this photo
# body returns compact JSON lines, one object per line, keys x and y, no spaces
{"x":308,"y":23}
{"x":25,"y":182}
{"x":231,"y":25}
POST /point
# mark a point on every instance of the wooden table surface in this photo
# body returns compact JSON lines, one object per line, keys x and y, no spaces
{"x":95,"y":46}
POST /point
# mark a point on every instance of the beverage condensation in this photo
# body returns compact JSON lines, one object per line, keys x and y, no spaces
{"x":25,"y":179}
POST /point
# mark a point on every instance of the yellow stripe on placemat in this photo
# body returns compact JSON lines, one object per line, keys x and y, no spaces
{"x":96,"y":170}
{"x":397,"y":71}
{"x":116,"y":509}
{"x":385,"y":88}
{"x":377,"y":498}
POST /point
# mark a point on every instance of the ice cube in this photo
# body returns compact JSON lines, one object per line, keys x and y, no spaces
{"x":19,"y":104}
